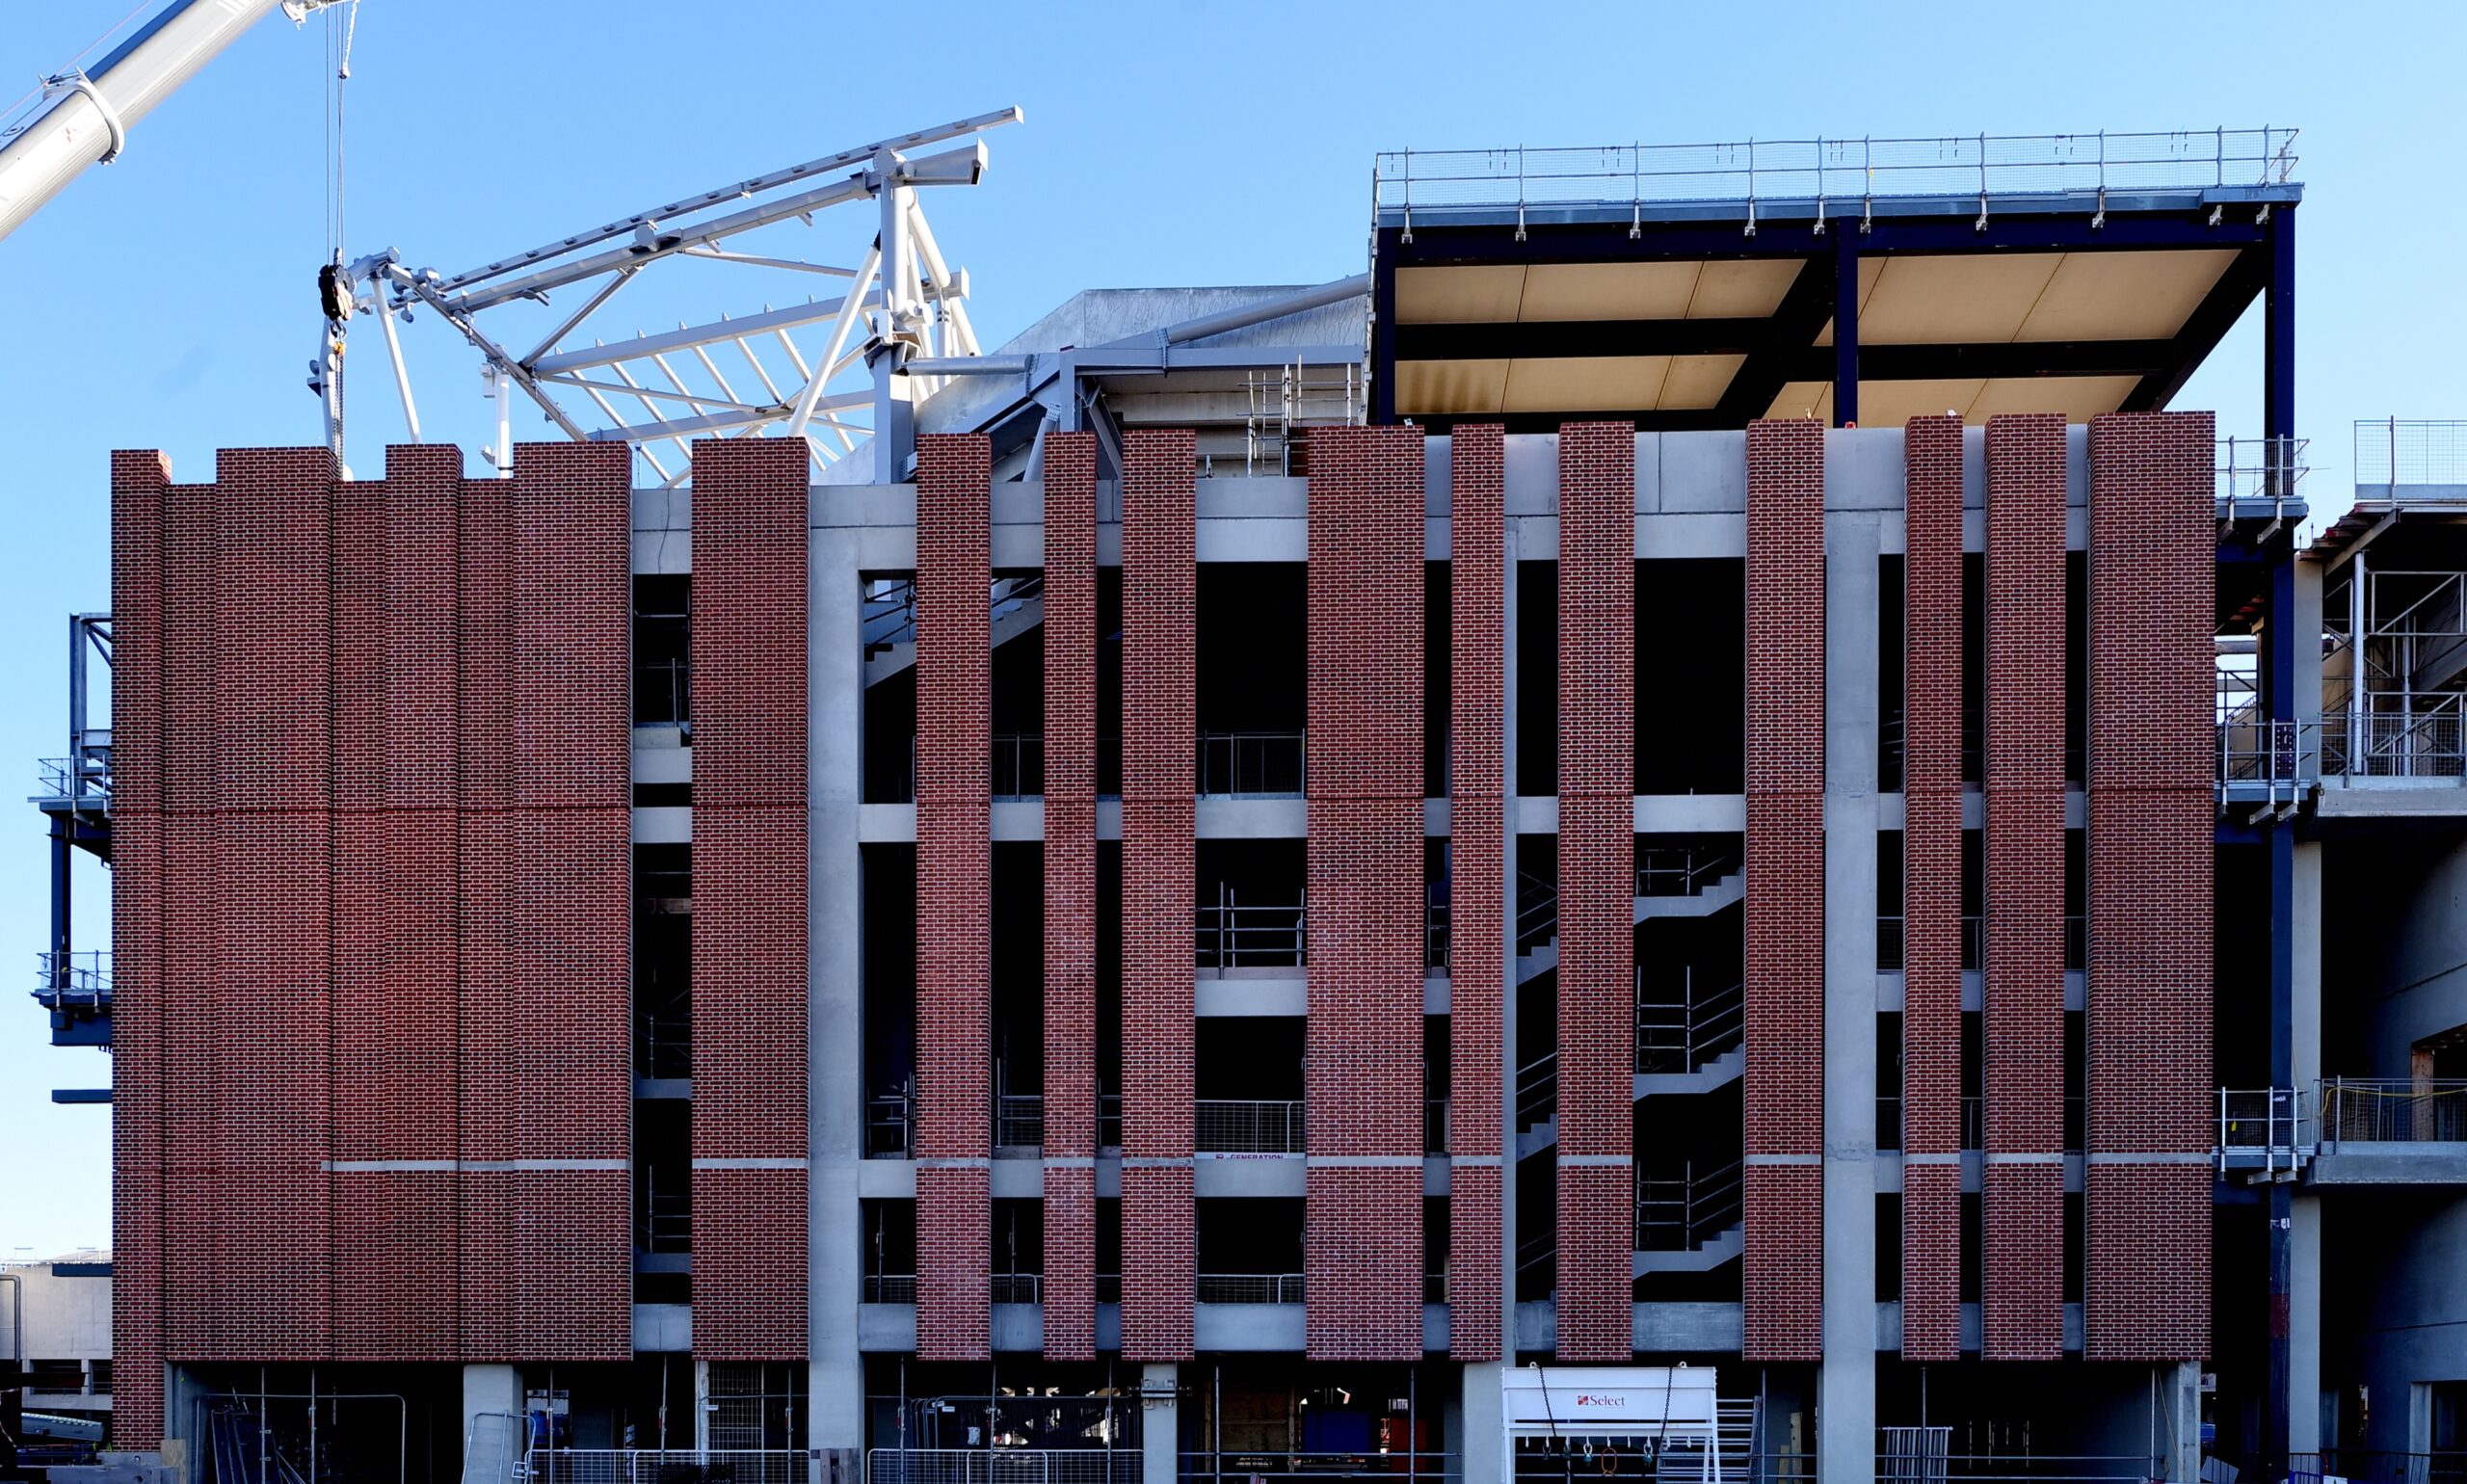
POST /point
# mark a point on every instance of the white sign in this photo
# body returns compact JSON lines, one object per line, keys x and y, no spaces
{"x":1573,"y":1401}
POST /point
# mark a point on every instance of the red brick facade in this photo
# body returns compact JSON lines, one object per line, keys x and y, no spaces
{"x":1158,"y":782}
{"x":320,"y":1092}
{"x":1931,"y":1015}
{"x":1069,"y":1290}
{"x":2023,"y":1293}
{"x":1596,"y":891}
{"x":2150,"y":895}
{"x":954,"y":899}
{"x":1784,"y":1272}
{"x":1363,"y":1054}
{"x":749,"y":936}
{"x":1476,"y":887}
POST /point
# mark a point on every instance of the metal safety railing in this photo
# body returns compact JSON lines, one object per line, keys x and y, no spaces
{"x":886,"y":614}
{"x":75,"y":978}
{"x":2370,"y":1465}
{"x":1849,"y":170}
{"x":1435,"y":1126}
{"x":2253,"y":749}
{"x":891,"y":1125}
{"x":2425,"y":739}
{"x":664,"y":693}
{"x":2264,"y":468}
{"x":1250,"y":1289}
{"x":1222,"y":1125}
{"x":1250,"y":764}
{"x":1681,"y":1212}
{"x":667,"y":1466}
{"x":1002,"y":1465}
{"x":1682,"y":1033}
{"x":1019,"y":1288}
{"x":663,"y":1043}
{"x":2264,"y":1130}
{"x":1232,"y":935}
{"x":888,"y":1288}
{"x":1912,"y":1455}
{"x":1683,"y":870}
{"x":664,"y":1221}
{"x":1892,"y":1136}
{"x":2365,"y":1110}
{"x":2055,"y":1468}
{"x":1018,"y":1120}
{"x":1241,"y":1466}
{"x":2394,"y":453}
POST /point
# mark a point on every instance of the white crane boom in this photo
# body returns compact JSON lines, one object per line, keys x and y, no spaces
{"x":89,"y":115}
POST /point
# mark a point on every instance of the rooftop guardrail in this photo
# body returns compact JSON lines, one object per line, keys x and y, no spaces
{"x":1847,"y":171}
{"x":2394,"y":453}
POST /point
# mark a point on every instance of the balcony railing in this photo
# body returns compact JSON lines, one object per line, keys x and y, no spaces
{"x":988,"y":1465}
{"x":1232,"y":935}
{"x":1973,"y":1126}
{"x":1019,"y":1288}
{"x":2396,"y":453}
{"x":888,"y":1288}
{"x":68,"y":979}
{"x":1892,"y":946}
{"x":891,"y":1125}
{"x":1018,"y":1120}
{"x":2395,"y":1110}
{"x":1250,"y":1287}
{"x":2428,"y":740}
{"x":1018,"y":1123}
{"x":1233,"y":1127}
{"x":1250,"y":764}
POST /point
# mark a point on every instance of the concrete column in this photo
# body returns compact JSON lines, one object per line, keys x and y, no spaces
{"x":2304,"y":1212}
{"x":1483,"y":1429}
{"x":1846,"y":1379}
{"x":834,"y":1040}
{"x":487,"y":1389}
{"x":2181,"y":1409}
{"x":1161,"y":1429}
{"x":1510,"y":991}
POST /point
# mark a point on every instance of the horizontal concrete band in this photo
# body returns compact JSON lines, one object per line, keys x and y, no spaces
{"x":1365,"y":1161}
{"x":475,"y":1166}
{"x":1908,"y":1158}
{"x":1595,"y":1161}
{"x":1782,"y":1159}
{"x":1071,"y":1162}
{"x":957,"y":1162}
{"x":781,"y":1163}
{"x":1492,"y":1161}
{"x":2055,"y":1157}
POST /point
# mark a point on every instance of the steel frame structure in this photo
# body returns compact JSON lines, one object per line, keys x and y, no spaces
{"x":668,"y":388}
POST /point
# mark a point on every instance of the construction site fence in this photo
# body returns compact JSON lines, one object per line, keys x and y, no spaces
{"x":668,"y":1465}
{"x":1002,"y":1465}
{"x":2361,"y":1466}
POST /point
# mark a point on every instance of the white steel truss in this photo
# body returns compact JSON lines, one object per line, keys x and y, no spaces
{"x":739,"y":375}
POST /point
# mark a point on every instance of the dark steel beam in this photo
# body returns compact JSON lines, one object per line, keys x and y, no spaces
{"x":1790,"y":329}
{"x":2203,"y":329}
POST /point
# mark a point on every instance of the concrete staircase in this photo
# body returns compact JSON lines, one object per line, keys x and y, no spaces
{"x":1538,"y":915}
{"x":1015,"y":607}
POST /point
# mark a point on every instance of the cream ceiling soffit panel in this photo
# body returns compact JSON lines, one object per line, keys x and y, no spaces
{"x":1890,"y":404}
{"x":1608,"y":291}
{"x":1697,"y":382}
{"x":1481,"y":294}
{"x":1453,"y":387}
{"x":1804,"y":399}
{"x":2080,"y":398}
{"x":1750,"y":288}
{"x":1586,"y":384}
{"x":1955,"y":300}
{"x":2125,"y":296}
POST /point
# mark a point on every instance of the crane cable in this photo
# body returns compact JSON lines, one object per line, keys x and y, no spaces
{"x":340,"y":32}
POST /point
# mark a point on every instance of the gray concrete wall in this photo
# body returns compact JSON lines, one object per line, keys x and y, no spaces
{"x":834,"y":1041}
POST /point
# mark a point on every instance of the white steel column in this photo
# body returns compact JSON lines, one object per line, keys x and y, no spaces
{"x":1159,"y":1422}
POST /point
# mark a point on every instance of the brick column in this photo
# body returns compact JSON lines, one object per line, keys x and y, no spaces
{"x":138,"y":478}
{"x":2023,"y":1263}
{"x":749,"y":933}
{"x":394,"y":1033}
{"x":1070,"y":896}
{"x":1931,"y":1013}
{"x":1477,"y":858}
{"x":2151,"y":860}
{"x":1158,"y":745}
{"x":1597,"y":1202}
{"x":1784,"y":1091}
{"x":954,"y":899}
{"x":1362,"y":1062}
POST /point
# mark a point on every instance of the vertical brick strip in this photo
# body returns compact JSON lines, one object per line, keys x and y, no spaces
{"x":1476,"y":890}
{"x":1784,"y":1091}
{"x":1363,"y":1054}
{"x":954,"y":899}
{"x":260,"y":1060}
{"x":2022,"y":1292}
{"x":394,"y":1025}
{"x":545,"y":1130}
{"x":1931,"y":1020}
{"x":2150,"y":865}
{"x":1596,"y":891}
{"x":138,"y":478}
{"x":486,"y":1016}
{"x":1160,"y":738}
{"x":570,"y":900}
{"x":748,"y":931}
{"x":1070,"y":896}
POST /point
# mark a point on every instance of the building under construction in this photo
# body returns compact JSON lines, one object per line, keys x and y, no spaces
{"x":1699,"y":768}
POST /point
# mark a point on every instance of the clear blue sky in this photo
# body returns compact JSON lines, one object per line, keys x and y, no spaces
{"x":165,"y":300}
